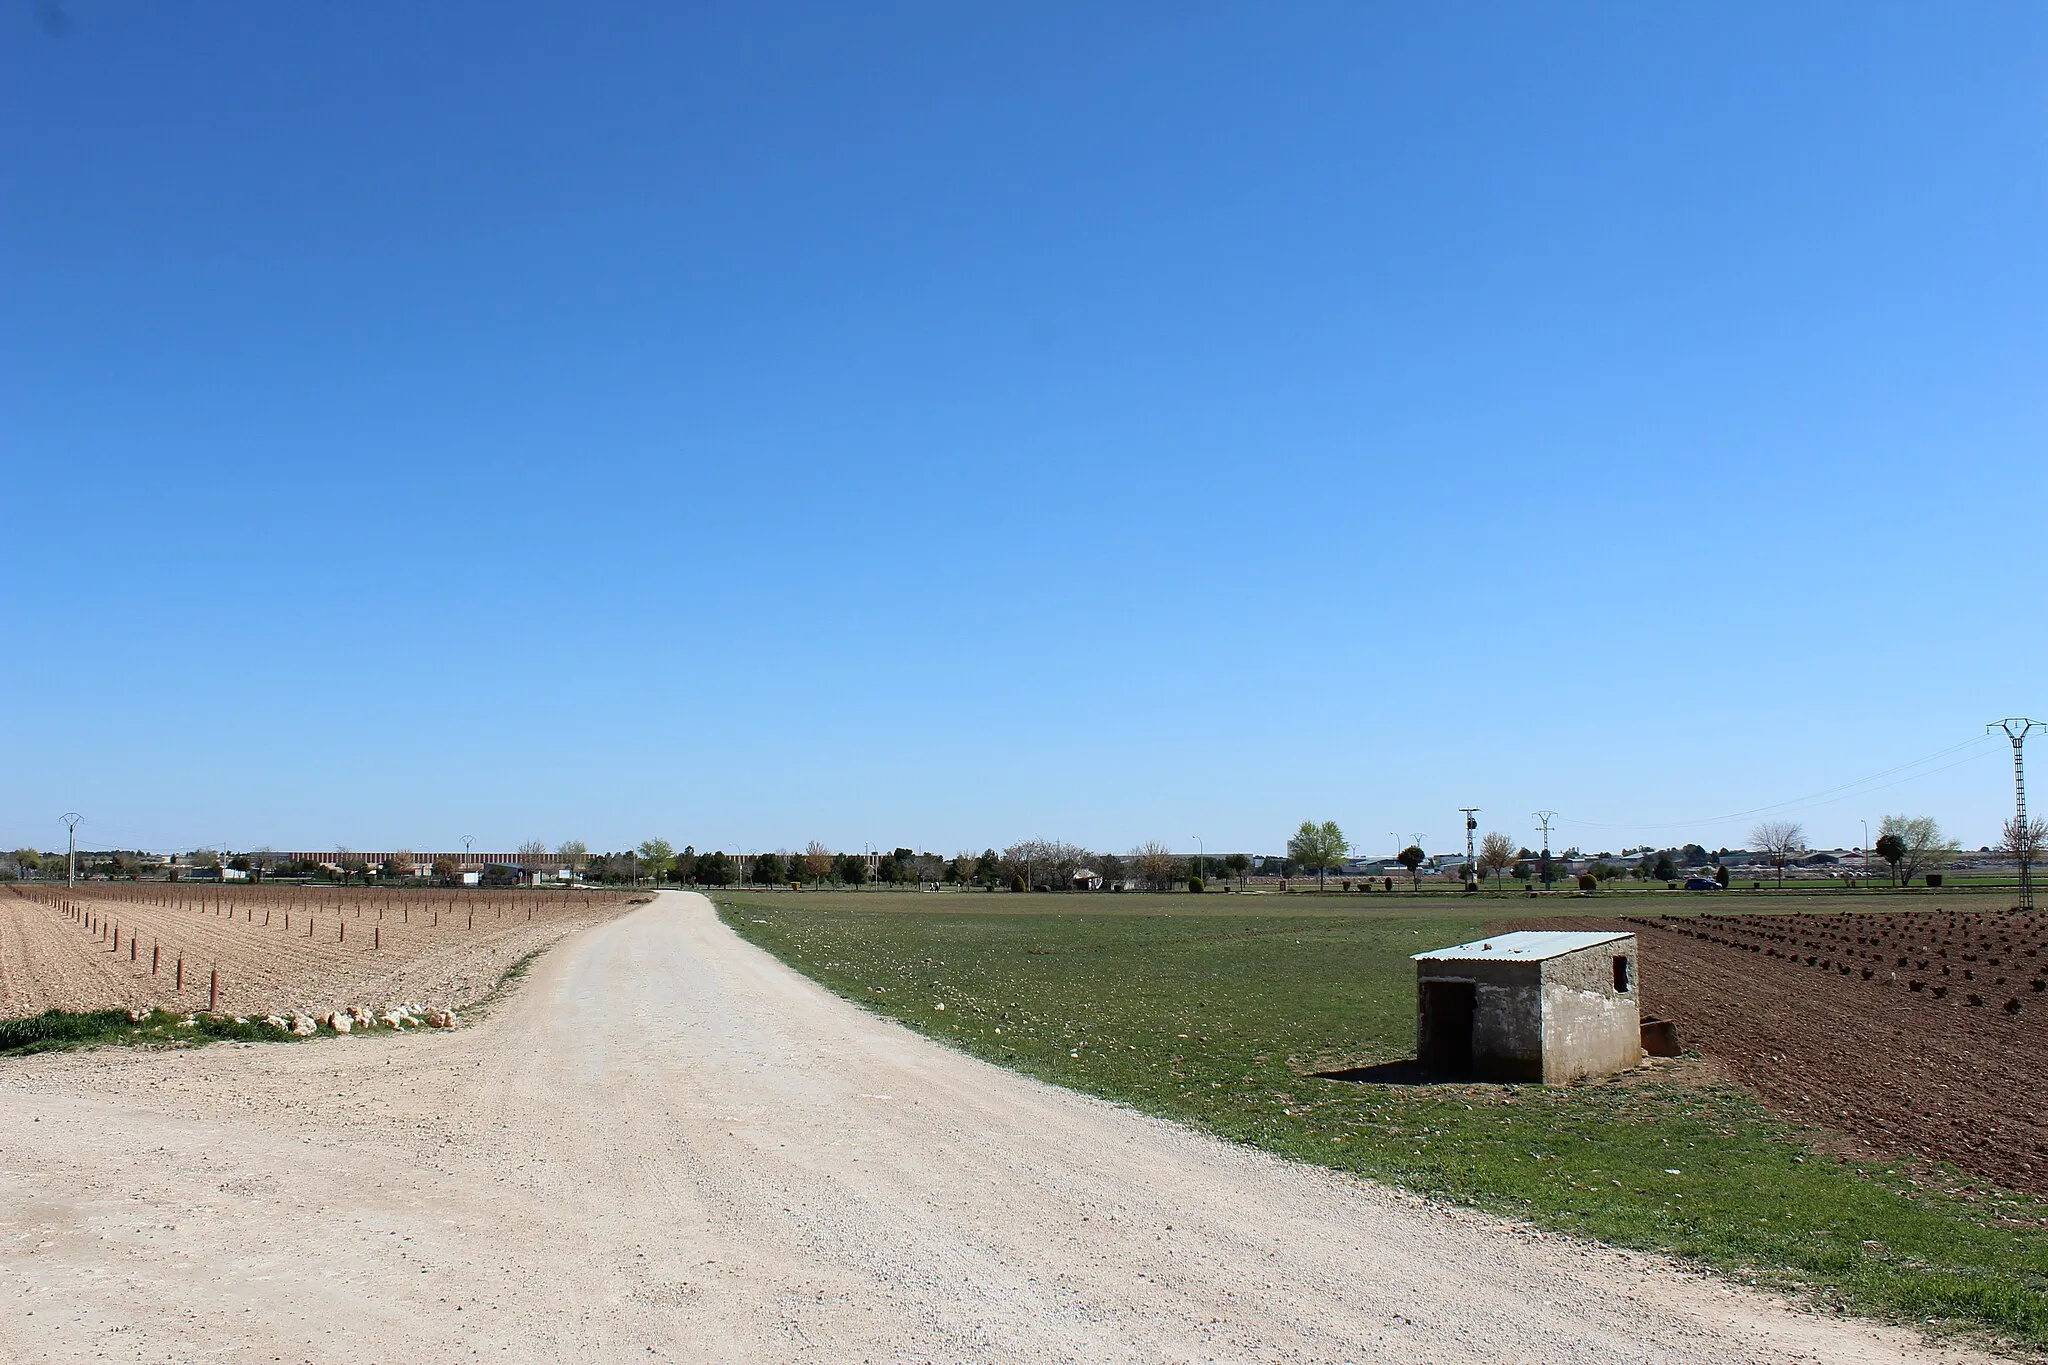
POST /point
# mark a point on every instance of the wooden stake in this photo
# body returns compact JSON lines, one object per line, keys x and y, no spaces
{"x":377,"y":937}
{"x":213,"y":991}
{"x":181,"y":975}
{"x":156,"y":952}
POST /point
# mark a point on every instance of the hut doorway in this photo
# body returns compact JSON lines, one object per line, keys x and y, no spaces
{"x":1447,"y":1010}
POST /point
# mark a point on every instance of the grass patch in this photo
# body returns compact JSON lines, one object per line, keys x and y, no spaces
{"x":518,"y":969}
{"x":57,"y":1030}
{"x":1220,"y":1019}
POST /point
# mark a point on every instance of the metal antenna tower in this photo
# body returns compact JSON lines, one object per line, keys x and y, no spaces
{"x":1544,"y":817}
{"x":71,"y":819}
{"x":2016,"y":728}
{"x":1471,"y":867}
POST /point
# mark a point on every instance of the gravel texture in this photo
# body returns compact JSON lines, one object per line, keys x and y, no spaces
{"x":666,"y":1145}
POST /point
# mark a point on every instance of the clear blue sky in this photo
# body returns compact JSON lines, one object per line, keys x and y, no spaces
{"x":945,"y":424}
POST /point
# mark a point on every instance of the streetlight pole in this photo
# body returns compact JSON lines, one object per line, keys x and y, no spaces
{"x":71,"y":819}
{"x":1201,"y":859}
{"x":1863,"y":853}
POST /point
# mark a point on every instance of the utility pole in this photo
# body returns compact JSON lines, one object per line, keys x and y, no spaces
{"x":1471,"y":867}
{"x":1544,"y":817}
{"x":2016,"y":728}
{"x":71,"y":819}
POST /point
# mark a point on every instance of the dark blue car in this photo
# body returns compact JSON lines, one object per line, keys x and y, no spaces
{"x":1702,"y":884}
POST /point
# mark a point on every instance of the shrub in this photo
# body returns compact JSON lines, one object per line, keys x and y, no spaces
{"x":1195,"y":884}
{"x":1017,"y":882}
{"x":1588,"y":882}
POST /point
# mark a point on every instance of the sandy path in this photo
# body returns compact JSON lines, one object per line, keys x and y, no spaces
{"x":667,"y":1146}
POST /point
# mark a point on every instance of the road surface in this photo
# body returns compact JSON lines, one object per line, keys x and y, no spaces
{"x":666,"y":1146}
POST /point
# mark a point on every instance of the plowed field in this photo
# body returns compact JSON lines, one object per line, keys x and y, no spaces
{"x":274,"y":949}
{"x":1926,"y":1031}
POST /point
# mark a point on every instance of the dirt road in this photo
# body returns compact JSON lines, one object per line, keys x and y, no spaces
{"x":666,"y":1146}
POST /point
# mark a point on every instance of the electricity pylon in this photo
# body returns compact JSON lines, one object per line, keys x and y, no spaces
{"x":71,"y":819}
{"x":2016,"y":728}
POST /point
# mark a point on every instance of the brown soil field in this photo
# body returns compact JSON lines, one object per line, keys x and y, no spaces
{"x":274,"y":948}
{"x":1917,"y":1032}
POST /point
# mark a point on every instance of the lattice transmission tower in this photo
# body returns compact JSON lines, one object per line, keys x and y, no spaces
{"x":2016,"y":729}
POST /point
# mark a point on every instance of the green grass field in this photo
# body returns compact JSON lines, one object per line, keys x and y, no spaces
{"x":1217,"y":1010}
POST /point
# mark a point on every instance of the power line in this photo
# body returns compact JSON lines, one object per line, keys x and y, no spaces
{"x":1859,"y":787}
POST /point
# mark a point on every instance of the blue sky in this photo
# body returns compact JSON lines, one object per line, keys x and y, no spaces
{"x":944,"y":425}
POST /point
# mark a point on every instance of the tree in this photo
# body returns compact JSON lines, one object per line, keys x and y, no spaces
{"x":2021,"y":841}
{"x":573,"y":854}
{"x":1318,"y":848}
{"x":1155,"y":865}
{"x":988,"y":868}
{"x":1112,"y":869}
{"x":533,"y":858}
{"x":656,"y":856}
{"x":817,"y":862}
{"x":1780,"y":841}
{"x":1496,"y":854}
{"x":1237,"y":864}
{"x":26,"y":861}
{"x":768,"y":869}
{"x":1892,"y":849}
{"x":1411,"y":858}
{"x":1920,"y":846}
{"x":887,"y":869}
{"x":1664,"y":871}
{"x":960,"y":872}
{"x":396,"y":868}
{"x":850,"y":868}
{"x":713,"y":869}
{"x":1047,"y":864}
{"x":203,"y":857}
{"x":447,"y":871}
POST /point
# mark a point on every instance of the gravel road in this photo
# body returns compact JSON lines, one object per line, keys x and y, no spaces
{"x":667,"y":1146}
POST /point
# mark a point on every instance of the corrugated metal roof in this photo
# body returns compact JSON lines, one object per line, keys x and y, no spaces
{"x":1523,"y":945}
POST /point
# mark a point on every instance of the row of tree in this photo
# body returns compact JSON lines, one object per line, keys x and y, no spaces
{"x":1909,"y":845}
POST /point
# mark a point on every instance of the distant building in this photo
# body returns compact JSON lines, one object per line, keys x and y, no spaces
{"x":545,"y":867}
